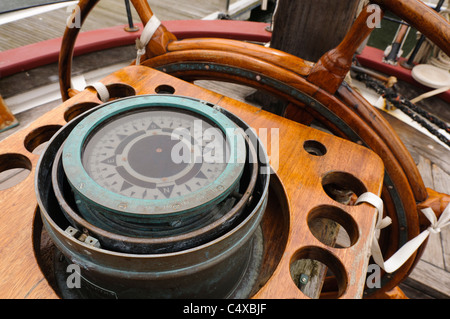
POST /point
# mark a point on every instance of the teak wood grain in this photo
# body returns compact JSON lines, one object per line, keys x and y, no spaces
{"x":299,"y":173}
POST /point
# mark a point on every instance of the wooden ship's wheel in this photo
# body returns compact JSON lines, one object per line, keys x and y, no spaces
{"x":265,"y":232}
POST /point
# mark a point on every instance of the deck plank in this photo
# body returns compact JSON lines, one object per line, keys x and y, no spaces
{"x":433,"y":252}
{"x":424,"y":167}
{"x":431,"y":276}
{"x":441,"y":179}
{"x":445,"y":237}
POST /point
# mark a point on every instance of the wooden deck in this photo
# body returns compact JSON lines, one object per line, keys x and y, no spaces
{"x":430,"y":278}
{"x":107,"y":13}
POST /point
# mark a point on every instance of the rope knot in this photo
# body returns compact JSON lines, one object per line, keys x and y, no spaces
{"x":437,"y":225}
{"x":139,"y":45}
{"x":434,"y":230}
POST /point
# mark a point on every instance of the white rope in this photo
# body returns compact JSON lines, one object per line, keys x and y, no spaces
{"x":272,"y":21}
{"x":429,"y":52}
{"x":408,"y":249}
{"x":264,"y":5}
{"x":147,"y":34}
{"x":441,"y":60}
{"x":102,"y":91}
{"x":275,"y":11}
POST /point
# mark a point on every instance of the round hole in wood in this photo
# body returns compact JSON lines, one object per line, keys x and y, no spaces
{"x":119,"y":90}
{"x":165,"y":89}
{"x":333,"y":226}
{"x":317,"y":273}
{"x":77,"y":109}
{"x":36,"y":140}
{"x":14,"y":168}
{"x":314,"y":148}
{"x":343,"y":187}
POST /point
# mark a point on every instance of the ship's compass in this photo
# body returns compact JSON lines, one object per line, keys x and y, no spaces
{"x":155,"y":173}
